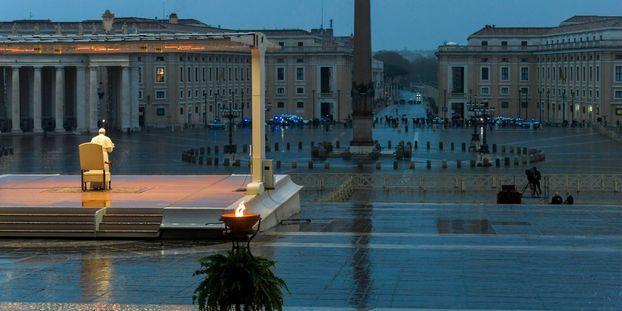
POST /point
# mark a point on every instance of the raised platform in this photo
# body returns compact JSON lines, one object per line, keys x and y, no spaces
{"x":136,"y":206}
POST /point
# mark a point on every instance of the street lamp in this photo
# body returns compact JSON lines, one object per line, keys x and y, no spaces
{"x":204,"y":108}
{"x":230,"y":149}
{"x":564,"y":107}
{"x":572,"y":106}
{"x":540,"y":104}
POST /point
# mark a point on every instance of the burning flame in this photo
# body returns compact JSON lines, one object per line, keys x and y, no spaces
{"x":239,"y":211}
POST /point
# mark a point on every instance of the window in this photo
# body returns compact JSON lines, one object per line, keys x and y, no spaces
{"x":591,"y":73}
{"x":140,"y":74}
{"x":160,"y":74}
{"x":196,"y":93}
{"x":618,"y":95}
{"x":485,"y":91}
{"x":203,"y":69}
{"x":160,"y":111}
{"x":196,"y":74}
{"x":300,"y":43}
{"x":282,"y":44}
{"x":280,"y":105}
{"x":300,"y":73}
{"x":280,"y":74}
{"x":181,"y":111}
{"x":181,"y":94}
{"x":196,"y":109}
{"x":280,"y":91}
{"x":524,"y":73}
{"x":140,"y":94}
{"x":597,"y":73}
{"x":505,"y":104}
{"x":484,"y":43}
{"x":485,"y":76}
{"x":160,"y":94}
{"x":618,"y":74}
{"x":504,"y":91}
{"x":457,"y":78}
{"x":300,"y":90}
{"x":181,"y":74}
{"x":597,"y":93}
{"x":504,"y":44}
{"x":523,"y":43}
{"x":189,"y":75}
{"x":189,"y":94}
{"x":505,"y":73}
{"x":300,"y":60}
{"x":300,"y":105}
{"x":160,"y":59}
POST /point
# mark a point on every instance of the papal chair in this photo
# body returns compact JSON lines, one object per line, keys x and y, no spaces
{"x":93,"y":166}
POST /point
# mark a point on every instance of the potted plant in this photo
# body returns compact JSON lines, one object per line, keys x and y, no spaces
{"x":238,"y":281}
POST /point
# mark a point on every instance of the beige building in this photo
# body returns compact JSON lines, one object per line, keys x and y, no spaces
{"x":177,"y":85}
{"x":571,"y":72}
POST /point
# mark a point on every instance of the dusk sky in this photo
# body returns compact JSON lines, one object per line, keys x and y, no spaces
{"x":397,"y":24}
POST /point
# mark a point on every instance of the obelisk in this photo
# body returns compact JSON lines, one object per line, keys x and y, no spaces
{"x":362,"y":85}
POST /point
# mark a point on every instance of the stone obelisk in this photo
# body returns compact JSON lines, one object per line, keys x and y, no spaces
{"x":362,"y":85}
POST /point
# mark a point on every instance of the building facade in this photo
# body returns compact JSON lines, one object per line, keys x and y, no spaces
{"x":310,"y":75}
{"x":571,"y":72}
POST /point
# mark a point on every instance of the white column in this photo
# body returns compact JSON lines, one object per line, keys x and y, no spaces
{"x":125,"y":98}
{"x":15,"y":109}
{"x":134,"y":98}
{"x":59,"y":99}
{"x":258,"y":120}
{"x":93,"y":99}
{"x":80,"y":100}
{"x":36,"y":100}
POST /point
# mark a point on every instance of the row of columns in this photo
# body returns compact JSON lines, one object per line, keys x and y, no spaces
{"x":87,"y":114}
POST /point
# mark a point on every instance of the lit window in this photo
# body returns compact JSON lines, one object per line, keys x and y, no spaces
{"x":160,"y":74}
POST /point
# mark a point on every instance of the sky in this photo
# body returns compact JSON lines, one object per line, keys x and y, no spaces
{"x":396,"y":24}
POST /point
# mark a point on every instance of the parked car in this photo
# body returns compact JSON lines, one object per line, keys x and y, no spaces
{"x":216,"y":124}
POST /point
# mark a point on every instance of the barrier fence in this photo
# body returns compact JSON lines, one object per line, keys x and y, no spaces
{"x":343,"y":184}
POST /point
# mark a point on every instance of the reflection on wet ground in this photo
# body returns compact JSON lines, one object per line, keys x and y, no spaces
{"x":359,"y":256}
{"x":159,"y":151}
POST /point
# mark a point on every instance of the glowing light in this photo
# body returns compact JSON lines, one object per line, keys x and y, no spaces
{"x":239,"y":211}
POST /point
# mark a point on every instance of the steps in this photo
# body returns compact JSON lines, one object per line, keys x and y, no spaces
{"x":47,"y":222}
{"x":79,"y":222}
{"x":130,"y":223}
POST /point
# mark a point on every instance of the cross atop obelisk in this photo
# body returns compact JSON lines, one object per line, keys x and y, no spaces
{"x":362,"y":85}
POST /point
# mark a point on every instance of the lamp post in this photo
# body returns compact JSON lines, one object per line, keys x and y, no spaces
{"x":204,"y":109}
{"x":230,"y":149}
{"x":572,"y":106}
{"x":540,"y":104}
{"x":548,"y":106}
{"x":563,"y":107}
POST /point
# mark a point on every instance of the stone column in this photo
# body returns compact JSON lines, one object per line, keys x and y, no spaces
{"x":15,"y":108}
{"x":125,"y":99}
{"x":362,"y":85}
{"x":59,"y":99}
{"x":80,"y":99}
{"x":134,"y":98}
{"x":258,"y":119}
{"x":36,"y":100}
{"x":93,"y":100}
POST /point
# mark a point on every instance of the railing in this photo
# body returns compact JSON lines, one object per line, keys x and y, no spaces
{"x":346,"y":183}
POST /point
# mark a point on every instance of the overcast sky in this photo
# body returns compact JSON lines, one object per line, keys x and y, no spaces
{"x":397,"y":24}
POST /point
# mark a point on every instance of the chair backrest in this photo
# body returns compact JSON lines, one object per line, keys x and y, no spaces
{"x":91,"y":157}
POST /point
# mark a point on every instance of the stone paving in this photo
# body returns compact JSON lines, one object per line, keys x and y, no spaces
{"x":353,"y":256}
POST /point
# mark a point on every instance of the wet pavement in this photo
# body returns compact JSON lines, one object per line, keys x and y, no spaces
{"x":363,"y":256}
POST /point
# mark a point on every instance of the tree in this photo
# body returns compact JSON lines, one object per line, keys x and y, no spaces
{"x":394,"y":64}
